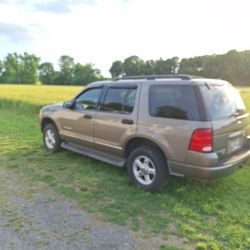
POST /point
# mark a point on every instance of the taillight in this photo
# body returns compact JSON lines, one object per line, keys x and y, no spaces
{"x":202,"y":140}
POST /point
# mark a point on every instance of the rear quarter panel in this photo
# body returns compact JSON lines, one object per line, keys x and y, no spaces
{"x":172,"y":135}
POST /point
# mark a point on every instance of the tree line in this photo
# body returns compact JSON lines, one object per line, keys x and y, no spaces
{"x":232,"y":66}
{"x":27,"y":68}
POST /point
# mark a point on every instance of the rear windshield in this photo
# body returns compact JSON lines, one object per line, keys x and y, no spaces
{"x":222,"y":101}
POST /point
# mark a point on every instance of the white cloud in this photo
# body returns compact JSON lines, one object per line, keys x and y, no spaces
{"x":13,"y":33}
{"x":103,"y":31}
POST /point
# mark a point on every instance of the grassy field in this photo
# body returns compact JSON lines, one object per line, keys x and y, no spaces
{"x":28,"y":98}
{"x":211,"y":216}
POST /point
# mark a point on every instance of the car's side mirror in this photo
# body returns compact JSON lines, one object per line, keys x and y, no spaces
{"x":69,"y":104}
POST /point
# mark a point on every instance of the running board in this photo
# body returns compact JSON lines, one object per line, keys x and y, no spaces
{"x":93,"y":153}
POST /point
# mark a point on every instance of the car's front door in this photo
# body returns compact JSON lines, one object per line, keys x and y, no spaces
{"x":77,"y":123}
{"x":116,"y":119}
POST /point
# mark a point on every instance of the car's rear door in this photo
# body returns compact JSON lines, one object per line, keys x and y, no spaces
{"x":228,"y":116}
{"x":116,"y":118}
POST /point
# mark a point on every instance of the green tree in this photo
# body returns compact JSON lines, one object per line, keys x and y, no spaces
{"x":164,"y":66}
{"x":244,"y":71}
{"x":11,"y":73}
{"x":20,"y":68}
{"x":192,"y":66}
{"x":173,"y":64}
{"x":116,"y":69}
{"x":1,"y":71}
{"x":133,"y":65}
{"x":84,"y":74}
{"x":47,"y":73}
{"x":66,"y":65}
{"x":29,"y":68}
{"x":232,"y":64}
{"x":149,"y":67}
{"x":214,"y":67}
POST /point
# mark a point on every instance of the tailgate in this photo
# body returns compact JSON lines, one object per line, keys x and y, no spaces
{"x":230,"y":135}
{"x":229,"y":118}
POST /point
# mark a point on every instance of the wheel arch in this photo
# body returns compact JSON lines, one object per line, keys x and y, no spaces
{"x":45,"y":121}
{"x":139,"y":141}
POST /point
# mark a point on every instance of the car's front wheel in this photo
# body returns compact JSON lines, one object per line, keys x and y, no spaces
{"x":51,"y":138}
{"x":147,"y":168}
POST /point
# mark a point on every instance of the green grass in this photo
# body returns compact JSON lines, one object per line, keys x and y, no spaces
{"x":209,"y":216}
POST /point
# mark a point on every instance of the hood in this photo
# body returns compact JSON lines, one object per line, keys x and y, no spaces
{"x":52,"y":107}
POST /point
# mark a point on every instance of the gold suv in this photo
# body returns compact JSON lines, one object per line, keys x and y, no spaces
{"x":155,"y":126}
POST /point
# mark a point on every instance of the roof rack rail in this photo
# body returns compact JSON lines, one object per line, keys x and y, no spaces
{"x":153,"y":77}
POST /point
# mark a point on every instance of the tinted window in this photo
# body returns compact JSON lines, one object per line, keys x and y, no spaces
{"x":88,"y":100}
{"x":173,"y":101}
{"x":119,"y":100}
{"x":222,"y":101}
{"x":130,"y":101}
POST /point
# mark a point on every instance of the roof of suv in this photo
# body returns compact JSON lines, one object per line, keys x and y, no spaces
{"x":180,"y":79}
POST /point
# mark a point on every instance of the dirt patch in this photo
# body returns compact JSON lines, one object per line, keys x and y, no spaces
{"x":34,"y":217}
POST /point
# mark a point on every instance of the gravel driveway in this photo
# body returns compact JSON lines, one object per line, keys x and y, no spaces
{"x":34,"y":217}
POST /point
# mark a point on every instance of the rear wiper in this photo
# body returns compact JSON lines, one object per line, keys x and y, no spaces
{"x":207,"y":85}
{"x":232,"y":115}
{"x":238,"y":112}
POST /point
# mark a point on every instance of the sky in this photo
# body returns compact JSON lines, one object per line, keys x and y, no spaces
{"x":102,"y":31}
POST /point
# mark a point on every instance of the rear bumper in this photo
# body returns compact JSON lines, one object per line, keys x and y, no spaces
{"x":221,"y":169}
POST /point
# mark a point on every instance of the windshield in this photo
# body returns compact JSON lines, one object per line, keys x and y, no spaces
{"x":222,"y":101}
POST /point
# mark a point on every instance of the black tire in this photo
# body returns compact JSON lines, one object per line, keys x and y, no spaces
{"x":159,"y":162}
{"x":54,"y":147}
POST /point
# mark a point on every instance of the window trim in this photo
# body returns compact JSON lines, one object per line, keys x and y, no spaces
{"x":106,"y":89}
{"x":203,"y":113}
{"x":166,"y":85}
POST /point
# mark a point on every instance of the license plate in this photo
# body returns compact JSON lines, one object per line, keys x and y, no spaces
{"x":235,"y":144}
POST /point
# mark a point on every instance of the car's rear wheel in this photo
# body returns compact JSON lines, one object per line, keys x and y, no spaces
{"x":147,"y":168}
{"x":51,"y":138}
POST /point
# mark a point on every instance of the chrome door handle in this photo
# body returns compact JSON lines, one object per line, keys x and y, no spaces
{"x":127,"y":121}
{"x":89,"y":117}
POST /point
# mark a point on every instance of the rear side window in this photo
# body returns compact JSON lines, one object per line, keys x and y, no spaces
{"x":119,"y":100}
{"x":173,"y":101}
{"x":222,"y":101}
